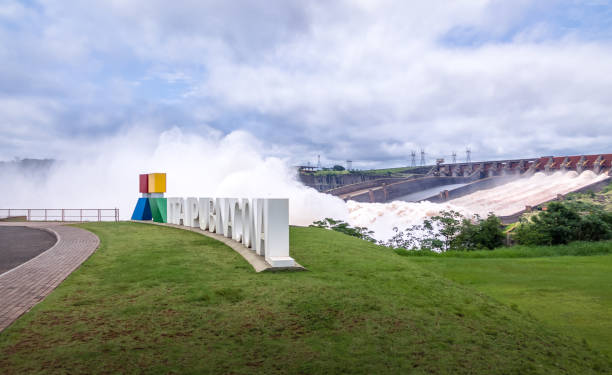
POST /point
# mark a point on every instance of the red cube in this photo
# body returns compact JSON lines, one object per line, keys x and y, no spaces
{"x":144,"y":183}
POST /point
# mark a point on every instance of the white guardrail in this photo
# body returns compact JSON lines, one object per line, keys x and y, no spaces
{"x":62,"y":214}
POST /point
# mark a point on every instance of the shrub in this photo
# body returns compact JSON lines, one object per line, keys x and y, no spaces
{"x":480,"y":234}
{"x":450,"y":231}
{"x":528,"y":234}
{"x":593,"y":228}
{"x":449,"y":225}
{"x":343,"y":227}
{"x":562,"y":223}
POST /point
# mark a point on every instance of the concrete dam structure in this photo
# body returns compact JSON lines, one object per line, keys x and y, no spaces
{"x":506,"y":187}
{"x":547,"y":164}
{"x":327,"y":182}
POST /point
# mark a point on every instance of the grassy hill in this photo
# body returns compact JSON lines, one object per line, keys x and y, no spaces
{"x":569,"y":293}
{"x":161,"y":300}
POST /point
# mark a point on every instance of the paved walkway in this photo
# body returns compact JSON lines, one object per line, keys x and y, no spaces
{"x":27,"y":284}
{"x":18,"y":244}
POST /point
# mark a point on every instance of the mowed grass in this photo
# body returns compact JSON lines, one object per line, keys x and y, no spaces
{"x":162,"y":300}
{"x":572,"y":294}
{"x":520,"y":251}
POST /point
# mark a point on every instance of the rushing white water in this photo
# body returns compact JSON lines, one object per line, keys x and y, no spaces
{"x":197,"y":165}
{"x":383,"y":217}
{"x":502,"y":200}
{"x":515,"y":195}
{"x":428,"y":193}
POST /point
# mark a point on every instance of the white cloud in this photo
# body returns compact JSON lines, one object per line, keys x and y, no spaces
{"x":362,"y":80}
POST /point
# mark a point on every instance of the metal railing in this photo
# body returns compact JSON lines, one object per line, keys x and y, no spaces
{"x":62,"y":214}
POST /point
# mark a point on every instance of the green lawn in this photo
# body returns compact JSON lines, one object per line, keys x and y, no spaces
{"x":161,"y":300}
{"x":573,"y":248}
{"x":571,"y":294}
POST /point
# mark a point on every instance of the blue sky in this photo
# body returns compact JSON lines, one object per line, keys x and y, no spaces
{"x":361,"y":80}
{"x":553,"y":20}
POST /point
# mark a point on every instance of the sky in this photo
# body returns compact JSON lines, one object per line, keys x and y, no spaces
{"x":368,"y":81}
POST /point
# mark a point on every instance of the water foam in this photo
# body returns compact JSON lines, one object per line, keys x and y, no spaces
{"x":208,"y":164}
{"x":513,"y":196}
{"x":383,"y":217}
{"x":502,"y":200}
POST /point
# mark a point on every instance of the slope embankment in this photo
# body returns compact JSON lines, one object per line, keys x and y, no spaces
{"x":180,"y":302}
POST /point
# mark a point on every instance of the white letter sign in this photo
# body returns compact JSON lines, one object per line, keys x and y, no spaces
{"x":261,"y":225}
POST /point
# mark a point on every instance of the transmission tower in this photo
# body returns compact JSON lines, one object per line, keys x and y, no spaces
{"x":468,"y":155}
{"x":318,"y":161}
{"x":454,"y":157}
{"x":422,"y":157}
{"x":413,"y":159}
{"x":349,"y":165}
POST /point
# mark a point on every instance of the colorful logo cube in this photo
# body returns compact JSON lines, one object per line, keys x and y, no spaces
{"x":157,"y":183}
{"x":152,"y":205}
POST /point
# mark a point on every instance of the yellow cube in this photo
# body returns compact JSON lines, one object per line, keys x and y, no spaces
{"x":157,"y":182}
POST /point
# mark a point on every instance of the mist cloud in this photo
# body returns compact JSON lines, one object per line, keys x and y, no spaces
{"x":197,"y":165}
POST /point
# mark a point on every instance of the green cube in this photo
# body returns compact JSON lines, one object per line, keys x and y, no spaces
{"x":159,"y":209}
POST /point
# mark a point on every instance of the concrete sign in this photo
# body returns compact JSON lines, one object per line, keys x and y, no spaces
{"x":259,"y":224}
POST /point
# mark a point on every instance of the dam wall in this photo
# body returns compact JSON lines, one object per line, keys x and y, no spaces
{"x":378,"y":188}
{"x":333,"y":181}
{"x":385,"y":193}
{"x":547,"y":164}
{"x":347,"y":189}
{"x":473,"y":187}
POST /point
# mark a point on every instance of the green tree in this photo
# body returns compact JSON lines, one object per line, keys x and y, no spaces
{"x":450,"y":231}
{"x":343,"y":227}
{"x":479,"y":234}
{"x":447,"y":226}
{"x":593,"y":228}
{"x":562,"y":223}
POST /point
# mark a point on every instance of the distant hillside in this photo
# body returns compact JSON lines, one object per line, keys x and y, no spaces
{"x":33,"y":168}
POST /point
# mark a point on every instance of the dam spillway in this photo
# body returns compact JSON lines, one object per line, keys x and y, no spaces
{"x":515,"y":195}
{"x":507,"y":200}
{"x":428,"y":193}
{"x":473,"y":176}
{"x":506,"y":188}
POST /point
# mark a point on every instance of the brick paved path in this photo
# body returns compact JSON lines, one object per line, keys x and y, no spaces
{"x":27,"y":284}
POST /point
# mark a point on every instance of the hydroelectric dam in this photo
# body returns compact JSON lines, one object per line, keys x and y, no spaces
{"x":506,"y":187}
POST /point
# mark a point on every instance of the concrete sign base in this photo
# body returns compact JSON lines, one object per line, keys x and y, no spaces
{"x":261,"y":225}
